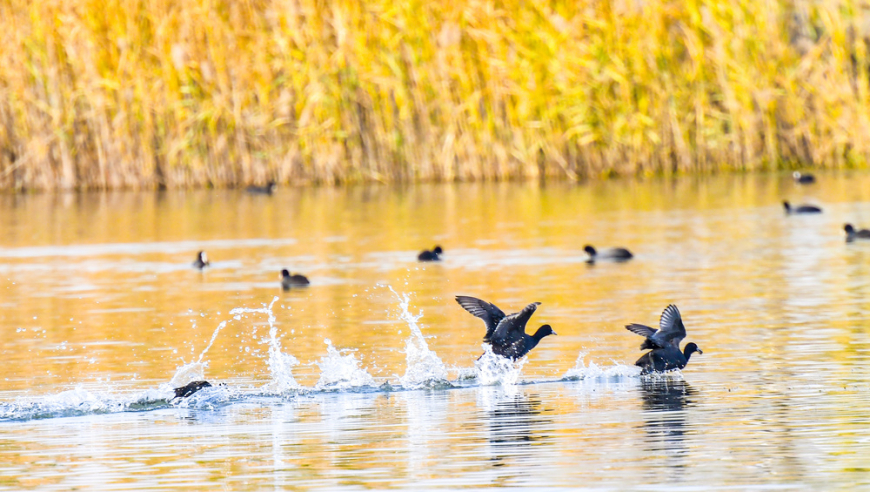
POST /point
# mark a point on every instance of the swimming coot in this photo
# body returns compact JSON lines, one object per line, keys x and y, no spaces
{"x":615,"y":254}
{"x":664,"y":343}
{"x":201,"y":261}
{"x":262,"y":190}
{"x":508,"y":337}
{"x":191,"y":388}
{"x":803,"y":178}
{"x":801,"y":209}
{"x":852,"y":233}
{"x":288,"y":281}
{"x":434,"y":255}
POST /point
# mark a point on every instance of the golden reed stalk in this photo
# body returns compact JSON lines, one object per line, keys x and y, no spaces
{"x":153,"y":93}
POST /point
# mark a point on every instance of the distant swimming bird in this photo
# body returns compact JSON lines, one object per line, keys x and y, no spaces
{"x":615,"y":254}
{"x":852,"y":233}
{"x":288,"y":281}
{"x":804,"y":178}
{"x":262,"y":190}
{"x":506,"y":334}
{"x":201,"y":261}
{"x":664,"y":342}
{"x":801,"y":209}
{"x":191,"y":388}
{"x":433,"y":255}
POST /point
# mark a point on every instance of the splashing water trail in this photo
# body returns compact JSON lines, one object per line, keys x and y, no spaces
{"x":280,"y":364}
{"x":341,"y":372}
{"x":494,"y":369}
{"x":581,"y":371}
{"x":193,"y":371}
{"x":424,"y":367}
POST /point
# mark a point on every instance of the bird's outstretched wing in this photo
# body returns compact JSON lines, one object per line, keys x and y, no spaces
{"x":513,"y":326}
{"x":489,"y":313}
{"x":671,"y":329}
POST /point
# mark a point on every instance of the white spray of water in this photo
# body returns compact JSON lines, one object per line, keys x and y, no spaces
{"x":494,"y":369}
{"x":341,"y":372}
{"x":194,"y":371}
{"x":423,"y":367}
{"x":581,"y":371}
{"x":280,"y":364}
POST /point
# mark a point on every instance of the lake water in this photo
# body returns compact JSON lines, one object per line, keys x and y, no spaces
{"x":369,"y":379}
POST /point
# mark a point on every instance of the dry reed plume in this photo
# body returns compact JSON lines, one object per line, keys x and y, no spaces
{"x":147,"y":93}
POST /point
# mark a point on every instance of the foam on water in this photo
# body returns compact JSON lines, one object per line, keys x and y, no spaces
{"x":341,"y":372}
{"x":280,"y":364}
{"x":423,"y":367}
{"x":491,"y":369}
{"x":581,"y":371}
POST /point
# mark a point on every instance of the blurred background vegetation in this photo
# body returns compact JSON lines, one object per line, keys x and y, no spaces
{"x":168,"y":93}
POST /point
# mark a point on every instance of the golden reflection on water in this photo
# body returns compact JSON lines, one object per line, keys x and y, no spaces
{"x":98,"y":291}
{"x":99,"y":285}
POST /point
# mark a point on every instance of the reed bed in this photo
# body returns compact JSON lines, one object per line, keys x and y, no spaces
{"x":168,"y":93}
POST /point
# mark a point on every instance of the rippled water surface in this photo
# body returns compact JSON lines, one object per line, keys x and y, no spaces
{"x":370,"y":378}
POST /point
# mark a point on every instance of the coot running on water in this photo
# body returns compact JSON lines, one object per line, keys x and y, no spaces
{"x":191,"y":388}
{"x":664,"y":342}
{"x":506,"y":334}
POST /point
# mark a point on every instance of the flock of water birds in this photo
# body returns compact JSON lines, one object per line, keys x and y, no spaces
{"x":506,"y":333}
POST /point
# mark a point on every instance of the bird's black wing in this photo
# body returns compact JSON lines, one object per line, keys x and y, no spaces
{"x":489,"y":313}
{"x":642,"y":330}
{"x":671,"y":329}
{"x":513,"y":327}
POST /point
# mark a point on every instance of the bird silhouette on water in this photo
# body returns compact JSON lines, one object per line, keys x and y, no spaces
{"x":801,"y":178}
{"x":434,"y":255}
{"x":853,"y":234}
{"x":801,"y":209}
{"x":289,"y":281}
{"x":664,"y":343}
{"x":191,"y":388}
{"x":506,"y":334}
{"x":615,"y":254}
{"x":201,"y":261}
{"x":262,"y":190}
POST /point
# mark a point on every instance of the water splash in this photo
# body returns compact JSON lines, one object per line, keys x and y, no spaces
{"x":280,"y":364}
{"x":79,"y":401}
{"x":423,"y":367}
{"x":581,"y":371}
{"x":494,"y":369}
{"x":341,"y":372}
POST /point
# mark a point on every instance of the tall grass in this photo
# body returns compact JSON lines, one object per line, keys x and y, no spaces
{"x":148,"y":93}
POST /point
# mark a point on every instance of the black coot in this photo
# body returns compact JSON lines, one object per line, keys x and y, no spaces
{"x":289,"y":281}
{"x":191,"y":388}
{"x":506,"y":334}
{"x":434,"y":255}
{"x":801,"y":209}
{"x":615,"y":254}
{"x":664,"y":342}
{"x":853,"y":234}
{"x":201,"y":261}
{"x":262,"y":190}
